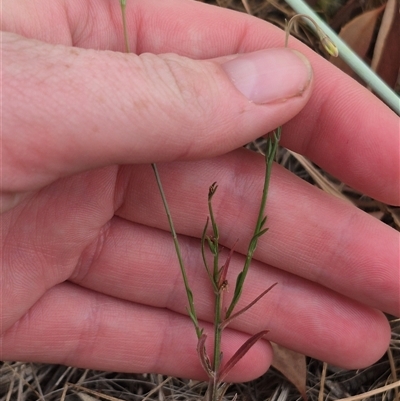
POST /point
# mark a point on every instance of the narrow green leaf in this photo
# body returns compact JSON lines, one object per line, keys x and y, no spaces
{"x":236,"y":295}
{"x":237,"y":314}
{"x":260,"y":233}
{"x":212,"y":246}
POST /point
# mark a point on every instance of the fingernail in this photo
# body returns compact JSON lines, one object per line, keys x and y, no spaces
{"x":270,"y":75}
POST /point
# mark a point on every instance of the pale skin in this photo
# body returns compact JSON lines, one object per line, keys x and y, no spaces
{"x":89,"y":273}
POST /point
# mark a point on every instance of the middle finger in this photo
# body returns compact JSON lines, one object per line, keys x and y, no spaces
{"x":311,"y":234}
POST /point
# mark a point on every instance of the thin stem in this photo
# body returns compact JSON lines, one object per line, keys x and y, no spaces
{"x":204,"y":238}
{"x":214,"y":245}
{"x":272,"y":146}
{"x":217,"y":343}
{"x":191,"y":310}
{"x":125,"y":26}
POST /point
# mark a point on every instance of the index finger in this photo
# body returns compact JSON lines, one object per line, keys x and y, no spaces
{"x":344,"y":128}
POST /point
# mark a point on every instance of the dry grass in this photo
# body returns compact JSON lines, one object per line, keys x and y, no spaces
{"x":26,"y":381}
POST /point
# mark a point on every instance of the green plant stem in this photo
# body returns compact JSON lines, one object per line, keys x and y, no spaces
{"x":125,"y":26}
{"x":213,"y":386}
{"x":348,"y":55}
{"x":191,"y":310}
{"x":217,"y":343}
{"x":214,"y":247}
{"x":272,"y":146}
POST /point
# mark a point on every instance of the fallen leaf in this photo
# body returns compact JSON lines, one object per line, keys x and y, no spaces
{"x":386,"y":58}
{"x":292,"y":365}
{"x":358,"y":34}
{"x":344,"y":14}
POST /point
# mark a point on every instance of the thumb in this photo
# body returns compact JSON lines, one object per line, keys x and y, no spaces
{"x":71,"y":109}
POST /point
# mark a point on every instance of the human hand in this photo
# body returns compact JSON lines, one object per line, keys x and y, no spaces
{"x":90,"y":277}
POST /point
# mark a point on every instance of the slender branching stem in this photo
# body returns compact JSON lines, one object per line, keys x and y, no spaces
{"x":191,"y":308}
{"x":272,"y":146}
{"x":125,"y":26}
{"x":218,"y":290}
{"x":215,"y":370}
